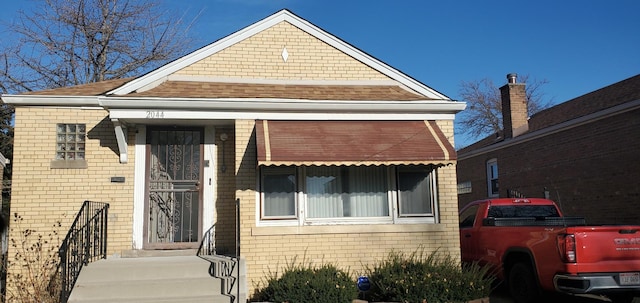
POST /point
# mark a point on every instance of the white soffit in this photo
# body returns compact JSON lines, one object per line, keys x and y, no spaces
{"x":157,"y":76}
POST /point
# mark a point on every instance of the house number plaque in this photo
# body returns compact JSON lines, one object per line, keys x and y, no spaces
{"x":155,"y":114}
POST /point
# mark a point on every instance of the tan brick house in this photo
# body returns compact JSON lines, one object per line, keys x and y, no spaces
{"x":582,"y":153}
{"x":329,"y":152}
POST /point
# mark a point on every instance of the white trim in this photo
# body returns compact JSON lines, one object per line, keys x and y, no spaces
{"x":51,"y":100}
{"x":301,"y":205}
{"x":139,"y":187}
{"x":209,"y":179}
{"x":489,"y":173}
{"x":283,"y":15}
{"x":270,"y":104}
{"x":121,"y":138}
{"x":171,"y":116}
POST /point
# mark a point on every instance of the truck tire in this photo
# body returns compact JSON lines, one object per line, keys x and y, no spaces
{"x":522,"y":284}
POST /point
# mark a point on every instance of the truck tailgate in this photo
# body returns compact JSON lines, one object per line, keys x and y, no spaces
{"x":607,"y":248}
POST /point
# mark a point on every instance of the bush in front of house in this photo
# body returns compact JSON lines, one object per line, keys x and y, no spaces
{"x":306,"y":283}
{"x":419,"y":277}
{"x":35,"y":260}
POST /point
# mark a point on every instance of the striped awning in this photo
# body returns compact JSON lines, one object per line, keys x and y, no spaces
{"x":352,"y":143}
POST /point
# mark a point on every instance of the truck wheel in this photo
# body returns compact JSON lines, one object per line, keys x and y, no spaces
{"x":522,"y":284}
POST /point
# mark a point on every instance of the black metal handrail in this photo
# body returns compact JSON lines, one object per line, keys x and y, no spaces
{"x":224,"y":266}
{"x":85,"y":242}
{"x":208,"y":245}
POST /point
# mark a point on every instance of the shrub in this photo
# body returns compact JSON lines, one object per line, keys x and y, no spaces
{"x":35,"y":263}
{"x":306,"y":283}
{"x":433,"y":278}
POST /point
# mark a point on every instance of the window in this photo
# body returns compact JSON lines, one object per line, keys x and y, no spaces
{"x":468,"y":216}
{"x":70,"y":141}
{"x":70,"y":146}
{"x":335,"y":194}
{"x":522,"y":211}
{"x":492,"y":178}
{"x":353,"y":191}
{"x":279,"y":193}
{"x":415,"y":193}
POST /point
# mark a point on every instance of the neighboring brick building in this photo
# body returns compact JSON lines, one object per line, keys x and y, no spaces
{"x":582,"y":153}
{"x":332,"y":154}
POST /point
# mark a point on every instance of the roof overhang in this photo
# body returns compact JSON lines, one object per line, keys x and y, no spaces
{"x":285,"y":105}
{"x":51,"y":100}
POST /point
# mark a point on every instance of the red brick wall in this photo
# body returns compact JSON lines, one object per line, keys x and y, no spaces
{"x":593,"y":170}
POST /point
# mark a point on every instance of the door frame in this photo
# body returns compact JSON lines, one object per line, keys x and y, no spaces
{"x":201,"y":196}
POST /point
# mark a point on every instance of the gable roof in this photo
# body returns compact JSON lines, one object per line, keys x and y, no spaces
{"x":395,"y":96}
{"x":159,"y":75}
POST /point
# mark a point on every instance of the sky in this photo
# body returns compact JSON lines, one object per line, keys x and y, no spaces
{"x":578,"y":46}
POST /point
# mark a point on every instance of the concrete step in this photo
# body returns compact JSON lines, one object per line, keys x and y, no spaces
{"x":145,"y":269}
{"x":192,"y":299}
{"x":150,"y":279}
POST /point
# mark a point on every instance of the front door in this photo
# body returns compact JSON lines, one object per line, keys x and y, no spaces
{"x":174,"y":188}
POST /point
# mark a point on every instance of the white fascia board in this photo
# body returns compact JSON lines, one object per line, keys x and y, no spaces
{"x":142,"y":116}
{"x":50,"y":100}
{"x":284,"y":105}
{"x":365,"y":58}
{"x":283,"y":15}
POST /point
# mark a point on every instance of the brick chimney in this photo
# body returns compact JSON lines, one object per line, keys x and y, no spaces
{"x":514,"y":107}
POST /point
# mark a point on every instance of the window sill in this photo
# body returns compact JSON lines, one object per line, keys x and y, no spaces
{"x":69,"y":164}
{"x":346,"y":229}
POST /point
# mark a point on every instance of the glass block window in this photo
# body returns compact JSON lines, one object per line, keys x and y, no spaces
{"x":70,"y":142}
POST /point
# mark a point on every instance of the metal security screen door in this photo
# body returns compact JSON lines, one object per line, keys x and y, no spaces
{"x":174,"y":191}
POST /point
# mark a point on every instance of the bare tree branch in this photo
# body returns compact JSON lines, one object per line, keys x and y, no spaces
{"x":483,"y":115}
{"x":71,"y":42}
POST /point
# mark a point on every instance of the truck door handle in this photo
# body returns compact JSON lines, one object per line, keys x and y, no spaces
{"x":467,"y":235}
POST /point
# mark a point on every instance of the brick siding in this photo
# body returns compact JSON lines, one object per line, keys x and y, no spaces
{"x":591,"y":170}
{"x":260,"y":57}
{"x":43,"y":196}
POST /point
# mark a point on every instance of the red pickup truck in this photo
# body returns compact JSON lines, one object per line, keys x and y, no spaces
{"x":534,"y":249}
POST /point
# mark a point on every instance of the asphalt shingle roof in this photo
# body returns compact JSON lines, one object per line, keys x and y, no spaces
{"x":187,"y":89}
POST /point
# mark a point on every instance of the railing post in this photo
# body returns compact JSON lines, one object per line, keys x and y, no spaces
{"x":63,"y":273}
{"x":104,"y":235}
{"x":237,"y":282}
{"x":238,"y":228}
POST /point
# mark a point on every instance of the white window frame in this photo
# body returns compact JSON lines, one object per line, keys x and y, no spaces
{"x":295,"y":194}
{"x":491,"y":163}
{"x":433,"y":196}
{"x":392,"y":198}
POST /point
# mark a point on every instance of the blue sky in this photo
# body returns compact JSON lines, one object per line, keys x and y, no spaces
{"x":577,"y":45}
